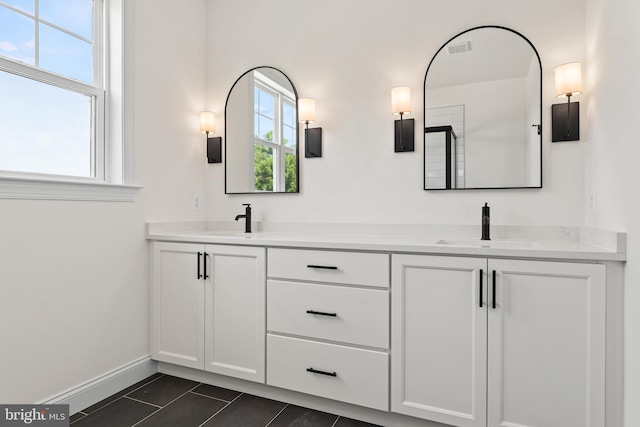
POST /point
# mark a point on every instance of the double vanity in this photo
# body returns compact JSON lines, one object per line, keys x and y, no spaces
{"x":399,"y":323}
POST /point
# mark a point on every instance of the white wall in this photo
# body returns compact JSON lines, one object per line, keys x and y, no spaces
{"x":74,"y":275}
{"x":348,"y":55}
{"x":613,"y":67}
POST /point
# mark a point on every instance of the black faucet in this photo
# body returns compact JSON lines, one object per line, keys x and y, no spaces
{"x":247,"y":218}
{"x":486,"y":222}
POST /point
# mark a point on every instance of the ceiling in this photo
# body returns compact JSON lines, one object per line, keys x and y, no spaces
{"x":495,"y":54}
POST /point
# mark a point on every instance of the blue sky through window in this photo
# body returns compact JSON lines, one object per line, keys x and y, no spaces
{"x":288,"y":125}
{"x":59,"y":52}
{"x":26,"y":5}
{"x":17,"y":36}
{"x":65,"y":54}
{"x":264,"y":107}
{"x":44,"y":128}
{"x":73,"y":15}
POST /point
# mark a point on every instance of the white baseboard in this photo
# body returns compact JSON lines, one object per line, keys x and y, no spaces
{"x":99,"y":388}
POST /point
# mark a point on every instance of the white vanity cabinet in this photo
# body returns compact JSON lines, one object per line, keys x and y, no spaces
{"x":498,"y":342}
{"x":328,"y":324}
{"x":208,"y":308}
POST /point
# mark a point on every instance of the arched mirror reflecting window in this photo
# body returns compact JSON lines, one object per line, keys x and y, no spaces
{"x":261,"y":134}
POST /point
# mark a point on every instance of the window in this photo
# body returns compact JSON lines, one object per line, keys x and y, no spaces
{"x":55,"y":69}
{"x":274,"y":112}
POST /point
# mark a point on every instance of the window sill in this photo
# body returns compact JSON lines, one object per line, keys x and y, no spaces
{"x":41,"y":189}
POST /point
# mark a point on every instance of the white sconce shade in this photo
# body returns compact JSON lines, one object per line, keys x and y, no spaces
{"x":306,"y":110}
{"x":568,"y":79}
{"x":401,"y":100}
{"x":207,"y":122}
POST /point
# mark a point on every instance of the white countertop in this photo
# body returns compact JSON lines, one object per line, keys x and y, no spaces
{"x":570,"y":243}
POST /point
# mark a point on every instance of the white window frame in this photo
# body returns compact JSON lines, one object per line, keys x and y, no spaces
{"x":113,"y":156}
{"x":281,"y":95}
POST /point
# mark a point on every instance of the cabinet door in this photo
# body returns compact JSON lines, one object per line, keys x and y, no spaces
{"x":439,"y":339}
{"x":178,"y":304}
{"x":235,"y":303}
{"x":546,"y":344}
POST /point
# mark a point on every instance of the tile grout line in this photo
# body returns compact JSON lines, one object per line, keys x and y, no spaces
{"x":214,"y":398}
{"x":141,"y":401}
{"x":221,"y":409}
{"x":151,"y":414}
{"x":162,"y":407}
{"x":114,"y":400}
{"x":278,"y":414}
{"x":75,"y":421}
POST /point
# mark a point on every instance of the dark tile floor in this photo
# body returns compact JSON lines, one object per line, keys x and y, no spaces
{"x":164,"y":400}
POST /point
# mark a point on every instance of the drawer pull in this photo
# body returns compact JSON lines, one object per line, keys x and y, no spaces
{"x":320,"y":313}
{"x":323,"y":267}
{"x":315,"y":371}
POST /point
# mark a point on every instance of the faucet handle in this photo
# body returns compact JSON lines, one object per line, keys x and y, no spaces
{"x":246,"y":204}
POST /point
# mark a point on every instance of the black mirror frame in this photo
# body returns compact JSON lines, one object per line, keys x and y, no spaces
{"x":226,"y":140}
{"x":424,"y":109}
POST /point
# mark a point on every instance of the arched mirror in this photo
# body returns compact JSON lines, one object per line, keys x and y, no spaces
{"x":261,"y":134}
{"x":483,"y":112}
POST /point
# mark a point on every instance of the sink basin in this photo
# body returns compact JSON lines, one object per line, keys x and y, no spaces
{"x":495,"y":244}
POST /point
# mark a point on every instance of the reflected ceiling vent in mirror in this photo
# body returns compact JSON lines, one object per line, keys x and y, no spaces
{"x":461,"y":47}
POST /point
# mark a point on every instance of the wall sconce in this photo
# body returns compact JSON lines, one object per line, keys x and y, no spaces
{"x":214,"y":145}
{"x":404,"y":129}
{"x":312,"y":137}
{"x":565,"y":118}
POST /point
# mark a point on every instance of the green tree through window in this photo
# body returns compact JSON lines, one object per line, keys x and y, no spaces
{"x":263,"y":164}
{"x":263,"y":167}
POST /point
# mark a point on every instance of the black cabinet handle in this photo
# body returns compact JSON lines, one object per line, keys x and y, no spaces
{"x":481,"y":275}
{"x":315,"y":371}
{"x":206,"y":276}
{"x":199,"y":275}
{"x":494,"y":289}
{"x":324,"y":267}
{"x":320,"y":313}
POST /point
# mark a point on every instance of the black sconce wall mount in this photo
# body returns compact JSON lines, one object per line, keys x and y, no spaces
{"x":313,"y":136}
{"x":404,"y":129}
{"x":565,"y":118}
{"x":214,"y":144}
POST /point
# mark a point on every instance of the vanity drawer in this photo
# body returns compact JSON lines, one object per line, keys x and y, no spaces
{"x":338,"y":313}
{"x":350,"y":375}
{"x":352,"y":268}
